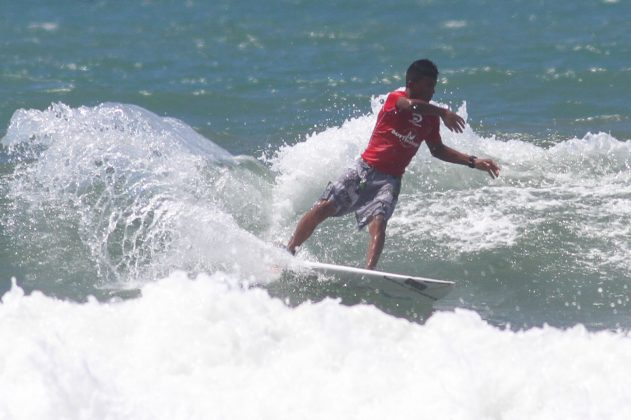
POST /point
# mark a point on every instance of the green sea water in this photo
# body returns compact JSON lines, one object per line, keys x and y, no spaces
{"x":289,"y":87}
{"x":245,"y":73}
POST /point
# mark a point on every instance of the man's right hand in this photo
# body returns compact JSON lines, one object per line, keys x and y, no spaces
{"x":488,"y":166}
{"x":453,"y":121}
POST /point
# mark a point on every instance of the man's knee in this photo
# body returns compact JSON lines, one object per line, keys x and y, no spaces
{"x":377,"y":225}
{"x":326,"y":208}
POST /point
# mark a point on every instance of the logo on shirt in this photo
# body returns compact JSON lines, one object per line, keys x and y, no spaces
{"x":416,"y":120}
{"x":406,"y":139}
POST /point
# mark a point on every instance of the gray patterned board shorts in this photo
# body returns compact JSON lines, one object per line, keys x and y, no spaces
{"x":365,"y":191}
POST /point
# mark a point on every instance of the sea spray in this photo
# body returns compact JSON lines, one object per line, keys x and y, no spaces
{"x":548,"y":239}
{"x":114,"y":194}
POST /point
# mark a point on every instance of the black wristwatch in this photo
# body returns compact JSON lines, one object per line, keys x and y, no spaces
{"x":472,"y":161}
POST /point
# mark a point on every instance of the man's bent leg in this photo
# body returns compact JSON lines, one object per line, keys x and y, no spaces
{"x":311,"y":219}
{"x":377,"y":231}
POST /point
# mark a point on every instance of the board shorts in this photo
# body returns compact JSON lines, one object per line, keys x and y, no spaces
{"x":365,"y":191}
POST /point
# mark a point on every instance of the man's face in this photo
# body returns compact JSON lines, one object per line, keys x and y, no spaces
{"x":422,"y":88}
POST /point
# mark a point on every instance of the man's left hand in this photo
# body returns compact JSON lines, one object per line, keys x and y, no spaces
{"x":453,"y":121}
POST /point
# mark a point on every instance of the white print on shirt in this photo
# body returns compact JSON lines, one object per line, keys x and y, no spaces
{"x":406,"y":139}
{"x":416,"y":120}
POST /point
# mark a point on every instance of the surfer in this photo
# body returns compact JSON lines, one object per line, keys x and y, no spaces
{"x":371,"y":188}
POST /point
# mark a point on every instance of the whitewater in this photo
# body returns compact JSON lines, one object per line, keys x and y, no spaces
{"x":144,"y":287}
{"x":203,"y":348}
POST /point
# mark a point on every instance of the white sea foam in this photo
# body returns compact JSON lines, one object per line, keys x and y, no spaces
{"x":207,"y":349}
{"x":144,"y":194}
{"x":304,"y":168}
{"x":137,"y":196}
{"x":44,"y":26}
{"x":584,"y":179}
{"x":454,"y":24}
{"x":210,"y":348}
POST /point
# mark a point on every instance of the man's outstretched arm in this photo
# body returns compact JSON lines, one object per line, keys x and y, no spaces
{"x":446,"y":153}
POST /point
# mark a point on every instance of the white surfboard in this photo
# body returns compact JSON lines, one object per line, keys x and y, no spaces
{"x":392,"y":285}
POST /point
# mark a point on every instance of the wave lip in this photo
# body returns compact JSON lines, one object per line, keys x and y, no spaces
{"x":117,"y":194}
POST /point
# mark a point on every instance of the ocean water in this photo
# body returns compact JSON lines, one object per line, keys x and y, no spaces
{"x":154,"y":153}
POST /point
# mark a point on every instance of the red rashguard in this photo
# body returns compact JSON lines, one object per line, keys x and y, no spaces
{"x":398,"y":135}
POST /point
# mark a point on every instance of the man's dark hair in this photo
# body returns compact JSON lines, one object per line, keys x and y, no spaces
{"x":421,"y":68}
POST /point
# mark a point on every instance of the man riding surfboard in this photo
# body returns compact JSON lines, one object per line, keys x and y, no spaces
{"x":371,"y":187}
